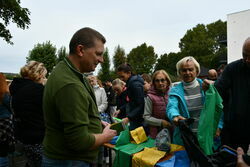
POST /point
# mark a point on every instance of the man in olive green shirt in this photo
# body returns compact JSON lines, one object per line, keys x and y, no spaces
{"x":73,"y":127}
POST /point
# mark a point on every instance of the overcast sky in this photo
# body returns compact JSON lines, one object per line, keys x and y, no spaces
{"x":129,"y":23}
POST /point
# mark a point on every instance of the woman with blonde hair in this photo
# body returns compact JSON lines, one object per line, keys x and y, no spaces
{"x":6,"y":124}
{"x":156,"y":103}
{"x":27,"y":94}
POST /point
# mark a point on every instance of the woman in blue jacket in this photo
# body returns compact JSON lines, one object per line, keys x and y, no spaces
{"x":187,"y":98}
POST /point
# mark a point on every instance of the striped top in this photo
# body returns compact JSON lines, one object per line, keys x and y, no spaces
{"x":193,"y":97}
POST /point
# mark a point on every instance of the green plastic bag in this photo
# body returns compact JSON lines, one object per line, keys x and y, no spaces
{"x":124,"y":138}
{"x":209,"y":119}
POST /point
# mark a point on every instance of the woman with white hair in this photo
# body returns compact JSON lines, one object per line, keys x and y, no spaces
{"x":186,"y":98}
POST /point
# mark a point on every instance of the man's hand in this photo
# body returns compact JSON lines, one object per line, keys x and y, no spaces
{"x":104,"y":124}
{"x":177,"y":118}
{"x":108,"y":133}
{"x":206,"y":83}
{"x":165,"y":124}
{"x":125,"y":120}
{"x":218,"y":132}
{"x":240,"y":161}
{"x":104,"y":137}
{"x":116,"y":113}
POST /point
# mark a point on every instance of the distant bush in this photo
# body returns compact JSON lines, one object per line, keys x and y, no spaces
{"x":10,"y":76}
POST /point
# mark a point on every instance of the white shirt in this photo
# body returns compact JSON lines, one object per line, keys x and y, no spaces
{"x":101,"y":98}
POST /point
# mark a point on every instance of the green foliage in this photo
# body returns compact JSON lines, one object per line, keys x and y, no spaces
{"x":119,"y":57}
{"x":104,"y":73}
{"x":113,"y":75}
{"x":11,"y":76}
{"x":204,"y":41}
{"x":45,"y":53}
{"x":11,"y":11}
{"x":142,"y":59}
{"x":197,"y":43}
{"x":161,"y":62}
{"x":168,"y":62}
{"x":219,"y":57}
{"x":218,"y":31}
{"x":174,"y":78}
{"x":61,"y":54}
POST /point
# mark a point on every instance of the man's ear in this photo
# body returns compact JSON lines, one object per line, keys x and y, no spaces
{"x":80,"y":50}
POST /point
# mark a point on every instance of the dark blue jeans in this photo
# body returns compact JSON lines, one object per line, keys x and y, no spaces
{"x":4,"y":161}
{"x":47,"y":162}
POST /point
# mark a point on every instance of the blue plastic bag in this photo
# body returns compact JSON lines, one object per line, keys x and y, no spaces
{"x":179,"y":159}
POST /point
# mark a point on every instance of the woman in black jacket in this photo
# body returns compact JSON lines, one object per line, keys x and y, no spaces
{"x":27,"y":94}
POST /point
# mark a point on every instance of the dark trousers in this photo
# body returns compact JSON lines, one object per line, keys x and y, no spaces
{"x":233,"y":138}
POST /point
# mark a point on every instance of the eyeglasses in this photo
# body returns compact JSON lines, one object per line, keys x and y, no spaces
{"x":160,"y":80}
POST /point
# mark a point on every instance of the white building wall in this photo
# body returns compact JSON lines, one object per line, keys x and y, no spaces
{"x":238,"y":29}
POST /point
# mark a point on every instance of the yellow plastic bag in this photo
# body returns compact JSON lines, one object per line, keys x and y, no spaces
{"x":175,"y":147}
{"x":147,"y":158}
{"x":138,"y":135}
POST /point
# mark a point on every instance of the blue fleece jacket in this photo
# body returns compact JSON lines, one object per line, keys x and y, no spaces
{"x":177,"y":106}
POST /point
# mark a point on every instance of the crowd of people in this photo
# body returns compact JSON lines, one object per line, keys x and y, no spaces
{"x":64,"y":120}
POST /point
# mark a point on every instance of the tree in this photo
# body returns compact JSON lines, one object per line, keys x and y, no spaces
{"x":45,"y":53}
{"x":11,"y":11}
{"x":119,"y":57}
{"x":219,"y":58}
{"x":11,"y":76}
{"x":161,"y":62}
{"x":61,"y":54}
{"x":203,"y":42}
{"x":218,"y":31}
{"x":168,"y":62}
{"x":196,"y":43}
{"x":104,"y":73}
{"x":142,"y":58}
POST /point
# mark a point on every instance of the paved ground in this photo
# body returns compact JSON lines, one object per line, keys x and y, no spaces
{"x":19,"y":160}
